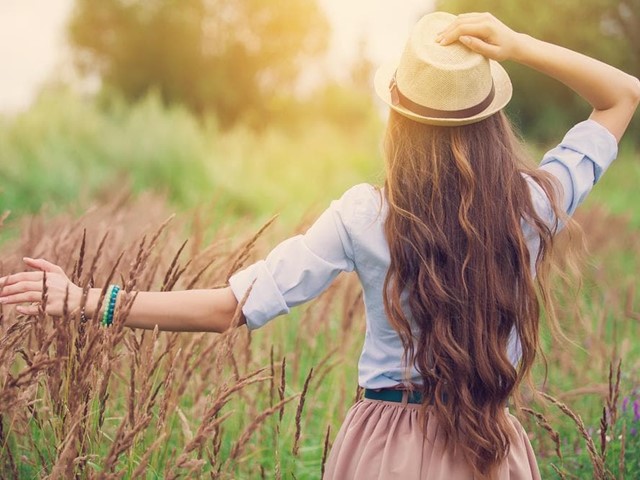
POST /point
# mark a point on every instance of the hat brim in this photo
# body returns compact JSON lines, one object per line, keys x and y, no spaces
{"x":501,"y":81}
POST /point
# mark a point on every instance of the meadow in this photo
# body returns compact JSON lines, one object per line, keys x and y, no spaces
{"x":153,"y":199}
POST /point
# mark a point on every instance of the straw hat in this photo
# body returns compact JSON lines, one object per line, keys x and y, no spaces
{"x":442,"y":85}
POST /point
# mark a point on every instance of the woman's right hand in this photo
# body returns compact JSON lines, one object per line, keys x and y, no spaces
{"x":482,"y":33}
{"x":26,"y":288}
{"x":613,"y":94}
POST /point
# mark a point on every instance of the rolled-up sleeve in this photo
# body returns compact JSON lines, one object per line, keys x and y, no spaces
{"x":300,"y":268}
{"x":579,"y":161}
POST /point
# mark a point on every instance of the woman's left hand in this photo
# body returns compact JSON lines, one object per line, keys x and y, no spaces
{"x":482,"y":33}
{"x":26,"y":287}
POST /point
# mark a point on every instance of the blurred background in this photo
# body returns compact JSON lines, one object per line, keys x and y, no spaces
{"x":234,"y":106}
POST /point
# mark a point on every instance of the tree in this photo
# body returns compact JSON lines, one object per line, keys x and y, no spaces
{"x":232,"y":57}
{"x":605,"y":29}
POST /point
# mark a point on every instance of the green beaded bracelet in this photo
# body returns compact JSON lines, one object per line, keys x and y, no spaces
{"x":112,"y":296}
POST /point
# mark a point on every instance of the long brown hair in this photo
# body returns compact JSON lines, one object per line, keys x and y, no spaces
{"x":460,"y":276}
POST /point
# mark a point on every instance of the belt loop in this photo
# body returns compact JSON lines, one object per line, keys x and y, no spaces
{"x":405,"y":398}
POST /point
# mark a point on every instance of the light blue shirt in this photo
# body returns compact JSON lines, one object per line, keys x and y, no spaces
{"x":349,"y":236}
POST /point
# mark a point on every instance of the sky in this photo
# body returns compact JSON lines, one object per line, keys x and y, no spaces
{"x":383,"y":24}
{"x":31,"y":46}
{"x":32,"y":39}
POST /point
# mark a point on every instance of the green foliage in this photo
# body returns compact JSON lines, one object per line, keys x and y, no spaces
{"x":604,"y":29}
{"x":627,"y":427}
{"x":618,"y":188}
{"x":64,"y":148}
{"x":622,"y":444}
{"x":231,"y":57}
{"x":68,"y":151}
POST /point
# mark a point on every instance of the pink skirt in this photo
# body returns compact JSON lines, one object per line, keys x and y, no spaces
{"x":383,"y":440}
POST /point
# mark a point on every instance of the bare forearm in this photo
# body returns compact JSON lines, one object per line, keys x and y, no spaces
{"x":604,"y":87}
{"x":187,"y":311}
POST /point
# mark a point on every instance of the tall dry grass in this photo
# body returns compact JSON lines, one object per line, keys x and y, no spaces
{"x":81,"y":401}
{"x":581,"y":430}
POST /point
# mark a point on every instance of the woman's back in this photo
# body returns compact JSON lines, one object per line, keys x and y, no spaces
{"x":350,"y":235}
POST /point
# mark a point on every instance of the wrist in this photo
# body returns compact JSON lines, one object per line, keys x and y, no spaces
{"x":521,"y":46}
{"x":95,"y":307}
{"x":93,"y":297}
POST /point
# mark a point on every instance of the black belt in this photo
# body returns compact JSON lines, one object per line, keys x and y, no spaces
{"x":392,"y":395}
{"x":395,"y":395}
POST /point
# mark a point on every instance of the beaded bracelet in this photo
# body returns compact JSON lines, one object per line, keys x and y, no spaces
{"x":112,"y":296}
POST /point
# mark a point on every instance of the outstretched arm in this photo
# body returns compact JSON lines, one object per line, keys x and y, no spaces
{"x":613,"y":94}
{"x":297,"y":270}
{"x":188,"y":311}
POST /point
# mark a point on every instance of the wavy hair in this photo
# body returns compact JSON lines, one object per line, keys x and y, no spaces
{"x":460,"y":277}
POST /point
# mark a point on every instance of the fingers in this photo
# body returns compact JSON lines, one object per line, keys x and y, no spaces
{"x":39,"y":264}
{"x":480,"y":32}
{"x":42,"y":264}
{"x":14,"y":278}
{"x":481,"y":47}
{"x":464,"y":28}
{"x":24,"y":297}
{"x":27,"y":287}
{"x":22,"y":291}
{"x":30,"y":310}
{"x":465,"y":18}
{"x":21,"y":287}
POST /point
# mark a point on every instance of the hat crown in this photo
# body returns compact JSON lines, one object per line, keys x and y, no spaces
{"x":448,"y":78}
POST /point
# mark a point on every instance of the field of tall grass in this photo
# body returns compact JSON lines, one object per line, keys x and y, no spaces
{"x":78,"y":400}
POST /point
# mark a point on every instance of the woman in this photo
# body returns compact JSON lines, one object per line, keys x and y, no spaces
{"x":446,"y":252}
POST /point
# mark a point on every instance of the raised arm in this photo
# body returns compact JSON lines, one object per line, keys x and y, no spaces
{"x":186,"y":311}
{"x":613,"y":94}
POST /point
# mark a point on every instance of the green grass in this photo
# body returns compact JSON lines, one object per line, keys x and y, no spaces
{"x":618,"y":189}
